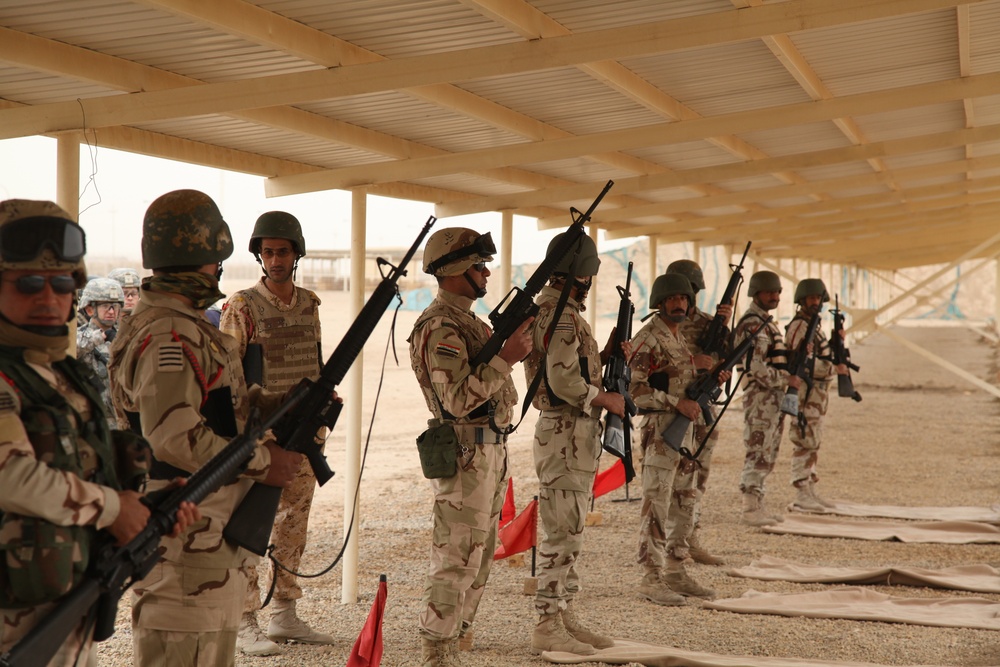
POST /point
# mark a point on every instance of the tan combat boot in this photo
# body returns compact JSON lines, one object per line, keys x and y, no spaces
{"x":465,"y":639}
{"x":573,"y":626}
{"x":251,"y":640}
{"x":818,"y":498}
{"x":438,"y":653}
{"x":676,"y":578}
{"x":753,"y":515}
{"x":286,"y":626}
{"x":656,"y":592}
{"x":777,"y":516}
{"x":699,"y":554}
{"x":805,"y":500}
{"x":551,"y":635}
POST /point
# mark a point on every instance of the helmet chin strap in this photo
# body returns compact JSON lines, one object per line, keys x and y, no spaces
{"x":480,"y":291}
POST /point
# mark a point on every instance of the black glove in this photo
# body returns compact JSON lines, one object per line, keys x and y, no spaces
{"x":109,"y":335}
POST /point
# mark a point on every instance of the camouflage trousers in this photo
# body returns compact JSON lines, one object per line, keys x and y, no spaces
{"x":466,"y":511}
{"x":566,"y":448}
{"x":75,"y":651}
{"x":291,"y":525}
{"x":762,"y":428}
{"x":184,"y":615}
{"x":805,"y":446}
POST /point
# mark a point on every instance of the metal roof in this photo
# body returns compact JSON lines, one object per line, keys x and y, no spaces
{"x":861,"y":132}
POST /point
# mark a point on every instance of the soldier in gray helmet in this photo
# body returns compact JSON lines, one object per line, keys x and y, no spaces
{"x":814,"y":396}
{"x":764,"y":385}
{"x":131,"y":283}
{"x":62,"y":483}
{"x":179,"y":380}
{"x":102,"y":301}
{"x":276,"y":326}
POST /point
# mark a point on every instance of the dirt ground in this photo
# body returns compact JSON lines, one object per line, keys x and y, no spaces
{"x":921,"y":436}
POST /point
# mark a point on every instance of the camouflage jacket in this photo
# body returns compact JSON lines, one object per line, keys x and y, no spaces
{"x":694,"y":325}
{"x":444,"y":338}
{"x":662,"y":368}
{"x":572,"y":359}
{"x":768,"y":361}
{"x":167,"y":362}
{"x":94,"y":350}
{"x":823,"y":368}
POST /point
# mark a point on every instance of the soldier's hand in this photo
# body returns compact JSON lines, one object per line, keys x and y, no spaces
{"x":842,"y":369}
{"x":187,"y":512}
{"x":794,"y":381}
{"x":518,"y":346}
{"x":132,"y":517}
{"x":611,"y":401}
{"x":703,"y":362}
{"x":284,"y":466}
{"x":726,"y":310}
{"x":689,"y":408}
{"x":724,"y":377}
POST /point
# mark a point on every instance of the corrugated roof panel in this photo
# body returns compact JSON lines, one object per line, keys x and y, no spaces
{"x":581,"y":170}
{"x":838,"y":170}
{"x":30,"y":87}
{"x":984,"y":47}
{"x":986,"y":110}
{"x":587,"y":15}
{"x":686,"y":155}
{"x":928,"y":157}
{"x":797,"y":139}
{"x":912,"y":122}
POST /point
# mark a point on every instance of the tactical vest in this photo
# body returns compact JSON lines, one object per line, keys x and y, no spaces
{"x":42,"y":561}
{"x":589,"y":359}
{"x":777,"y":353}
{"x":288,"y":339}
{"x":822,"y":368}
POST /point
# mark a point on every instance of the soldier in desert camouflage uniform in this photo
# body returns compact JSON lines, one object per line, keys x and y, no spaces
{"x":130,"y":282}
{"x":566,"y":446}
{"x":69,"y":488}
{"x":810,"y":295}
{"x":662,"y":368}
{"x":102,"y":300}
{"x":180,"y":380}
{"x":282,"y":322}
{"x":692,"y":328}
{"x":763,"y":387}
{"x":479,"y":405}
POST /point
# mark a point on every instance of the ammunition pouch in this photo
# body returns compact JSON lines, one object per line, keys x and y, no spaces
{"x":39,"y":561}
{"x":438,"y":449}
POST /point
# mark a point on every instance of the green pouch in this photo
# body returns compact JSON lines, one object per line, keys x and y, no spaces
{"x":438,"y":448}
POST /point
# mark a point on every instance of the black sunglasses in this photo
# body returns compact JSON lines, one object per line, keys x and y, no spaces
{"x":479,"y":266}
{"x":24,"y":240}
{"x":34,"y":284}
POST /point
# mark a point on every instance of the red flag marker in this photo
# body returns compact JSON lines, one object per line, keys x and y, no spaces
{"x":610,"y":479}
{"x":509,"y":509}
{"x":520,"y":534}
{"x":367,"y":650}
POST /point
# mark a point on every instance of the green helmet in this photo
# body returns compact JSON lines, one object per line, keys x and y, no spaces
{"x":278,"y":225}
{"x":667,"y":285}
{"x":452,"y":250}
{"x":184,"y":228}
{"x":38,"y":234}
{"x":689,"y":269}
{"x":588,"y":262}
{"x":102,"y":290}
{"x":763,"y":281}
{"x":126,"y":277}
{"x":811,"y":287}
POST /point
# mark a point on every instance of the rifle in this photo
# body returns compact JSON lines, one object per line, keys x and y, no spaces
{"x":704,"y":389}
{"x":712,"y":340}
{"x":521,"y":304}
{"x":841,"y":355}
{"x":617,"y":374}
{"x":799,"y":364}
{"x":251,"y":523}
{"x":114,"y":569}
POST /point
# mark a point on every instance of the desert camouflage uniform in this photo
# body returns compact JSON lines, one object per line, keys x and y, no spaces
{"x":567,"y":443}
{"x":763,"y":386}
{"x":668,"y":479}
{"x":49,"y":486}
{"x":806,"y":447}
{"x":166,"y":362}
{"x":94,"y":350}
{"x":290,"y":335}
{"x":467,"y":505}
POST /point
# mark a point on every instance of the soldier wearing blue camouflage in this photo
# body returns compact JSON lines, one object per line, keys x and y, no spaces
{"x":102,"y":301}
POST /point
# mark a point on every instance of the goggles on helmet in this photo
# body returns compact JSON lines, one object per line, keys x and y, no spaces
{"x":24,"y":240}
{"x":483,"y":246}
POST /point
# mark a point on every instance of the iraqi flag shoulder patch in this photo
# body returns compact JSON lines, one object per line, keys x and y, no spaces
{"x":448,"y":350}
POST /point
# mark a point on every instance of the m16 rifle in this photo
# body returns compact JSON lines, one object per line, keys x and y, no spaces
{"x":840,"y":354}
{"x":618,"y":431}
{"x":800,"y":364}
{"x":713,"y":339}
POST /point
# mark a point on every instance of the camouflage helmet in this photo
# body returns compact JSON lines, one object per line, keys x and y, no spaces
{"x":451,"y":251}
{"x":184,"y":228}
{"x":587,"y":263}
{"x":811,"y":287}
{"x":690,"y":270}
{"x":763,"y":281}
{"x":278,"y":225}
{"x":126,"y":277}
{"x":102,"y":290}
{"x":38,"y":234}
{"x":667,"y":285}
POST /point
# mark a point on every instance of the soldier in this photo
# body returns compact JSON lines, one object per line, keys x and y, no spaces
{"x":102,"y":301}
{"x":130,"y":282}
{"x":566,"y":446}
{"x":814,"y":396}
{"x":662,"y":368}
{"x":763,"y":387}
{"x":280,"y":323}
{"x":472,"y":409}
{"x":66,"y":490}
{"x":179,"y":379}
{"x":692,"y":328}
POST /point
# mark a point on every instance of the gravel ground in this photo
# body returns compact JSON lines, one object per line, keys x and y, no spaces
{"x":920,"y":437}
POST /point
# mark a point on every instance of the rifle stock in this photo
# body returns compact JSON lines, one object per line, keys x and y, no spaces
{"x":617,"y":431}
{"x":712,"y":340}
{"x":250,"y":525}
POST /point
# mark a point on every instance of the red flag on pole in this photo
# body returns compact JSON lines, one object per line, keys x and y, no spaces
{"x":520,"y":534}
{"x":610,"y":479}
{"x":509,"y":510}
{"x":367,"y":650}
